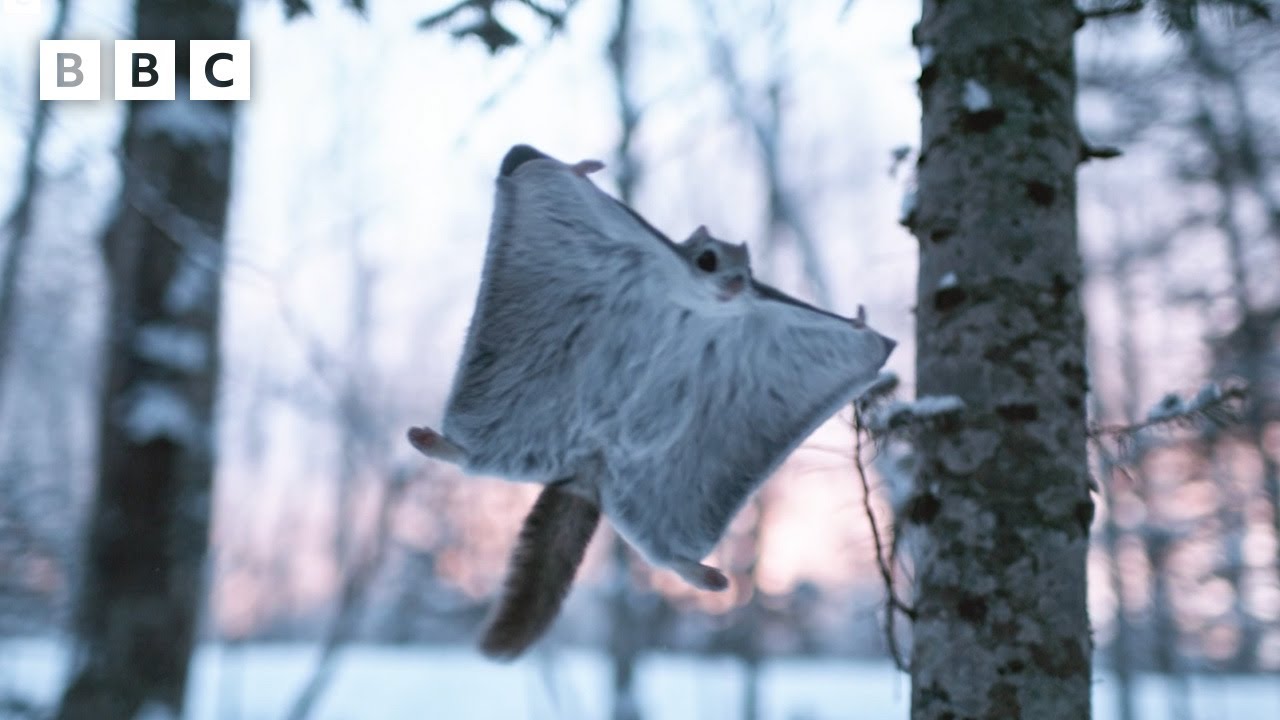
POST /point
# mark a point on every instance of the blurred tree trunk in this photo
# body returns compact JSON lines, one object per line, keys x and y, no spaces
{"x":1002,"y":493}
{"x":17,"y":225}
{"x":1161,"y":533}
{"x":624,"y":634}
{"x":750,"y":615}
{"x":624,"y":641}
{"x":1157,"y":537}
{"x":139,"y":598}
{"x":1235,"y":167}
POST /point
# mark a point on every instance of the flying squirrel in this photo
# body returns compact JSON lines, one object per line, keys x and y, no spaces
{"x":654,"y":382}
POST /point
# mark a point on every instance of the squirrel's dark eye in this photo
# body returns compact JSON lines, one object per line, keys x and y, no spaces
{"x":707,"y":261}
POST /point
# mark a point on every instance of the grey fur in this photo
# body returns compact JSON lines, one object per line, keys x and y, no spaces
{"x":600,"y":352}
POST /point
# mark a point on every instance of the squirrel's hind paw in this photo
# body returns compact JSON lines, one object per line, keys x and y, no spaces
{"x":703,"y":577}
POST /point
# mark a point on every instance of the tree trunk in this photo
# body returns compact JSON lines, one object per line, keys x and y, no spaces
{"x":17,"y":226}
{"x":1002,"y":496}
{"x":139,"y":597}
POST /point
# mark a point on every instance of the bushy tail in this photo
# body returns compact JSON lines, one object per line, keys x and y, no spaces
{"x":551,"y":546}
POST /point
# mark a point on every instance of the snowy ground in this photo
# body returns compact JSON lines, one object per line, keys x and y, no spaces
{"x":258,"y":682}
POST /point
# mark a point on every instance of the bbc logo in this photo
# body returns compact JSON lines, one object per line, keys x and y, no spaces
{"x":144,"y":70}
{"x":21,"y":7}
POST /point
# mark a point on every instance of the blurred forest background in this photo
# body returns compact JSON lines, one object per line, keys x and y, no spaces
{"x":344,"y":230}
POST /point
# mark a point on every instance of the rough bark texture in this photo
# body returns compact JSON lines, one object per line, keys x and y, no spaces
{"x":139,"y":598}
{"x":1002,"y":492}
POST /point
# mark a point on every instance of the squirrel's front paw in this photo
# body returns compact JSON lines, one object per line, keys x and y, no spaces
{"x":433,"y":444}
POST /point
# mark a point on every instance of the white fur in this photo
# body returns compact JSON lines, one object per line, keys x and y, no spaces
{"x":595,"y":353}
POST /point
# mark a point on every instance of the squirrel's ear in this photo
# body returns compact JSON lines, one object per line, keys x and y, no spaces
{"x":701,"y":233}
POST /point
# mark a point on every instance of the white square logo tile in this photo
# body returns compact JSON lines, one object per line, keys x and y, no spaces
{"x":145,"y":69}
{"x":220,"y":70}
{"x":21,"y":7}
{"x":70,"y":69}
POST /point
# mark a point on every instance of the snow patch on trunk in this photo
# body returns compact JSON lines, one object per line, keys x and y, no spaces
{"x":174,"y":347}
{"x":188,"y":123}
{"x":191,"y":285}
{"x":976,"y":97}
{"x":155,"y":411}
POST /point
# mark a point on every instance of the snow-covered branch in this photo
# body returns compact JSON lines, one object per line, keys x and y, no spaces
{"x":898,"y":414}
{"x":1212,"y":403}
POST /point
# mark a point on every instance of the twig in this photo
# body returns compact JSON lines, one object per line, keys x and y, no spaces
{"x":503,"y":88}
{"x":435,"y":19}
{"x":553,"y":18}
{"x":488,"y":29}
{"x":783,"y":207}
{"x":893,"y":602}
{"x":1098,"y":152}
{"x":1246,"y":156}
{"x":1106,"y":11}
{"x":351,"y":600}
{"x":202,"y":249}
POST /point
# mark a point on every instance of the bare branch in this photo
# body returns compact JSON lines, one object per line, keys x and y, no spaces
{"x":553,"y":18}
{"x":431,"y":21}
{"x":294,"y":8}
{"x":1244,"y":155}
{"x":1099,"y":152}
{"x":894,"y":604}
{"x":355,"y":583}
{"x":487,"y":28}
{"x":1131,"y":7}
{"x":783,"y":209}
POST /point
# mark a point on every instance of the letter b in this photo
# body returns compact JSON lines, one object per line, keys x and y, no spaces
{"x":70,"y":70}
{"x":144,"y":64}
{"x":69,"y":65}
{"x":146,"y":69}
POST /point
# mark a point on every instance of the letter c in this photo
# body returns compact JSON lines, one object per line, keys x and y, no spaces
{"x":208,"y":70}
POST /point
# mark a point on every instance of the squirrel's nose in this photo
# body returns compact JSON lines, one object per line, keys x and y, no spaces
{"x":732,"y":286}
